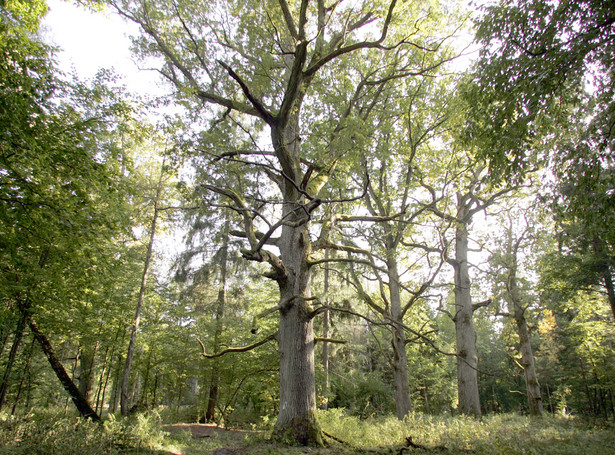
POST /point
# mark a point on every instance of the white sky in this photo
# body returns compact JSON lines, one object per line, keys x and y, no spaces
{"x":90,"y":41}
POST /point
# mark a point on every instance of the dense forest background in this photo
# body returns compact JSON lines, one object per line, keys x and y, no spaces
{"x":388,"y":208}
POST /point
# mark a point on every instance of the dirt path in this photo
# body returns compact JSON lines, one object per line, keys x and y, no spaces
{"x":207,"y":431}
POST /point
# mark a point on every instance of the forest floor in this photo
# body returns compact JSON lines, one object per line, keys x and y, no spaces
{"x":420,"y":435}
{"x":47,"y":433}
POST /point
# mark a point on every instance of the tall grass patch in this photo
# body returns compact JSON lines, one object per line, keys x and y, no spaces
{"x":506,"y":434}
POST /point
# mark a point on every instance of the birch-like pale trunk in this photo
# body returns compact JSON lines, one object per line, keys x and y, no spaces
{"x":125,"y":387}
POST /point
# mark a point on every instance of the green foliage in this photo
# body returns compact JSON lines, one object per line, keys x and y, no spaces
{"x":48,"y":432}
{"x":44,"y":433}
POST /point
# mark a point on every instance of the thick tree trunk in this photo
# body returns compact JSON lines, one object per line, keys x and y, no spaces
{"x":21,"y":325}
{"x":297,"y":414}
{"x":79,"y":400}
{"x":403,"y":404}
{"x":467,"y":358}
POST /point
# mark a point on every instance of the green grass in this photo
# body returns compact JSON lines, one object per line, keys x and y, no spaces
{"x":508,"y":434}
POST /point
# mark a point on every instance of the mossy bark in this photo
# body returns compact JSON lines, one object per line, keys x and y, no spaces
{"x":301,"y":430}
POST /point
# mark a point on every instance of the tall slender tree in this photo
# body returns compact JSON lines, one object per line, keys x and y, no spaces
{"x":508,"y":259}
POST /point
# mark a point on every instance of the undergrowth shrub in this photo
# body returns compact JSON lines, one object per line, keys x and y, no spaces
{"x":45,"y":433}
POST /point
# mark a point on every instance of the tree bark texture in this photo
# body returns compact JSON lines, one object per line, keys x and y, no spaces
{"x":518,"y":312}
{"x":403,"y":404}
{"x":534,"y":397}
{"x":78,"y":399}
{"x":467,"y":358}
{"x":297,"y":414}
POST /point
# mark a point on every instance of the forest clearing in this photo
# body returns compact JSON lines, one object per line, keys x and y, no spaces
{"x":323,"y":227}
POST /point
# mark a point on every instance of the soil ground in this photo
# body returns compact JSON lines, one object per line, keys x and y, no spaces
{"x":203,"y":430}
{"x":211,"y":439}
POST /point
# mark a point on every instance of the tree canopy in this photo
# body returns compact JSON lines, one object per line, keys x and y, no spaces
{"x":326,"y":213}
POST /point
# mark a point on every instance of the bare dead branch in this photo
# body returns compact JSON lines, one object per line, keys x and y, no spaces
{"x":240,"y":349}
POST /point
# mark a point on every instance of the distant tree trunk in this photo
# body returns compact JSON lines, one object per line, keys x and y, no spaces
{"x":551,"y":409}
{"x":610,"y":289}
{"x":426,"y":396}
{"x":403,"y":404}
{"x":525,"y":347}
{"x":605,"y":266}
{"x":212,"y":402}
{"x":106,"y":384}
{"x":4,"y":337}
{"x":496,"y":402}
{"x":125,"y":389}
{"x":117,"y":379}
{"x":155,"y":391}
{"x":72,"y":378}
{"x":21,"y":325}
{"x":79,"y":400}
{"x":326,"y":335}
{"x":527,"y":361}
{"x":586,"y":387}
{"x":24,"y":374}
{"x":148,"y":366}
{"x":87,"y":361}
{"x":101,"y":381}
{"x":467,"y":358}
